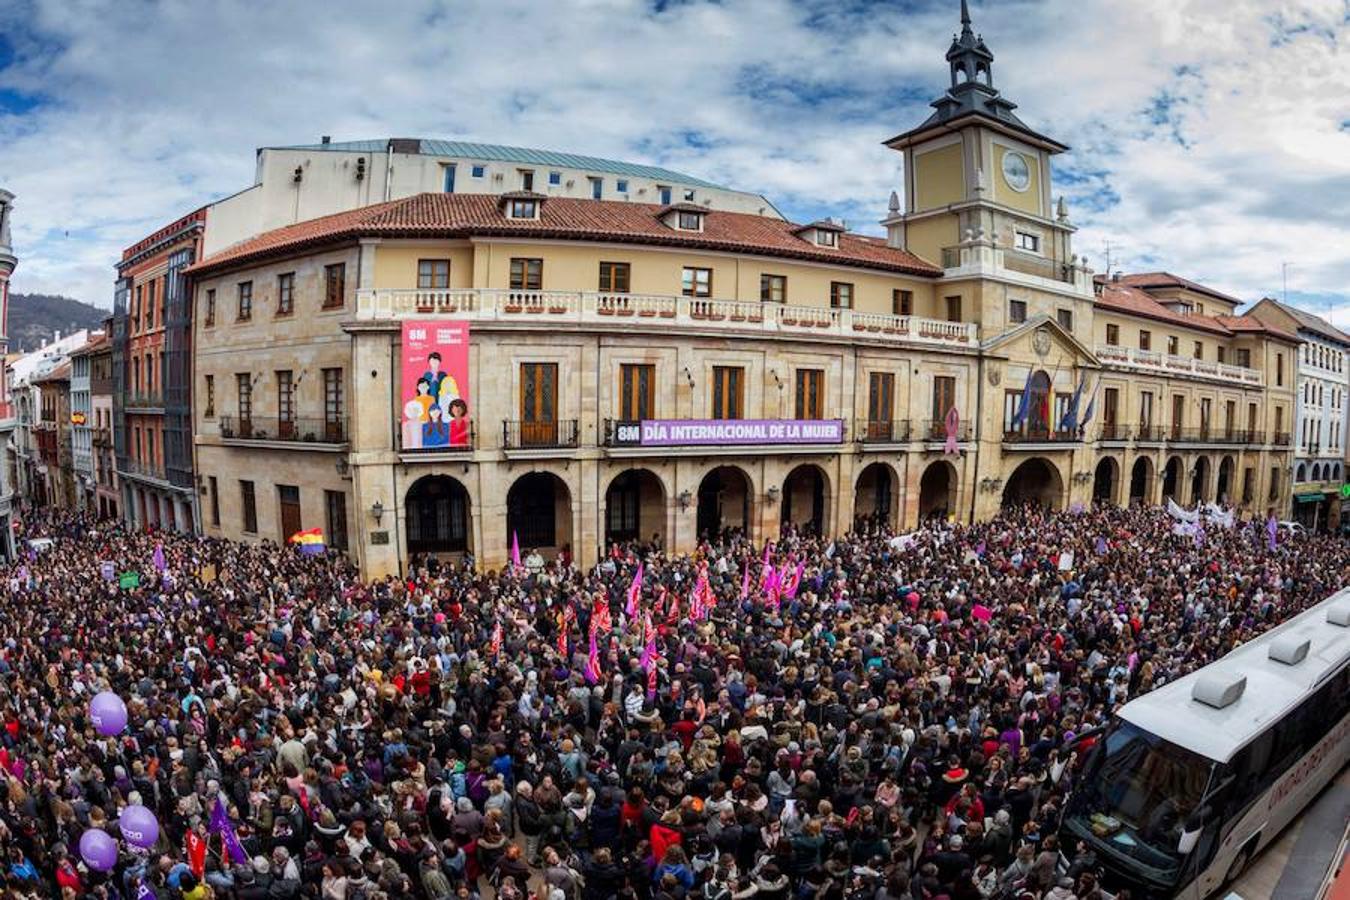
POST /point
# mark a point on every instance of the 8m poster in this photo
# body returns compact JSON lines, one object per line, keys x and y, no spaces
{"x":435,"y":386}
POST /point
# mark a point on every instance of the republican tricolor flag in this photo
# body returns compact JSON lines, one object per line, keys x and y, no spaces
{"x":309,"y":542}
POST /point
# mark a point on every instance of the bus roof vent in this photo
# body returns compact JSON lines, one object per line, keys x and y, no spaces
{"x":1219,"y":689}
{"x":1289,"y":649}
{"x":1339,"y":613}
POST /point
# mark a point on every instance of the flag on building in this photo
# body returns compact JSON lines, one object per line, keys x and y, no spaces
{"x":1023,"y":405}
{"x":953,"y":426}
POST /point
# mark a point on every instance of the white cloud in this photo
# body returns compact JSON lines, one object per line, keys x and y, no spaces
{"x":150,"y":110}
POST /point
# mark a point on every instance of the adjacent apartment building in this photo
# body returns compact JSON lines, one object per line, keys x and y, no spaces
{"x":1321,"y":414}
{"x":151,"y":377}
{"x":8,"y":467}
{"x":446,"y":372}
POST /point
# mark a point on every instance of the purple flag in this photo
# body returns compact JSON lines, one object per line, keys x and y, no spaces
{"x":158,"y":558}
{"x":515,"y":550}
{"x":1101,"y":546}
{"x":634,"y":592}
{"x":592,"y":672}
{"x":143,"y":892}
{"x":220,"y":824}
{"x":1271,"y":528}
{"x":107,"y":570}
{"x":953,"y":423}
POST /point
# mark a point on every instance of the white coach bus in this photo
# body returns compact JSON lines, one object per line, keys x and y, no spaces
{"x":1191,"y":780}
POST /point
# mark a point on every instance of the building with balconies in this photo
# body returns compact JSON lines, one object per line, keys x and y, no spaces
{"x":1321,"y":414}
{"x":449,"y":373}
{"x":107,"y":492}
{"x":9,"y":465}
{"x":82,"y":425}
{"x":151,"y":377}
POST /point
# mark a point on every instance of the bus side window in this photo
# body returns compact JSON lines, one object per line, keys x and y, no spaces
{"x":1251,"y":768}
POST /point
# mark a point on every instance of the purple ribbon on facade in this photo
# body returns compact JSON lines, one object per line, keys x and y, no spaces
{"x":953,"y":423}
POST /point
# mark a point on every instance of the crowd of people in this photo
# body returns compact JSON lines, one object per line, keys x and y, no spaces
{"x":862,"y":718}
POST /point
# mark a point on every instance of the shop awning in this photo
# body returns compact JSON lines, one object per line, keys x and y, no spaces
{"x":1310,"y":498}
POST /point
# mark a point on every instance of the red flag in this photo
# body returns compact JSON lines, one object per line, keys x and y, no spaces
{"x":600,"y":615}
{"x":593,"y":671}
{"x":196,"y":854}
{"x":495,"y":647}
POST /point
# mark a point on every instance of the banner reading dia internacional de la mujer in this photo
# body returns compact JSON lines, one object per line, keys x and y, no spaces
{"x":702,"y":432}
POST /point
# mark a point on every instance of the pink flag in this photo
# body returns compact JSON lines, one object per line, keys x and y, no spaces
{"x":592,"y":672}
{"x":634,"y":593}
{"x":953,"y":423}
{"x":515,"y":550}
{"x":795,"y":581}
{"x":765,"y":568}
{"x":745,"y":581}
{"x":981,"y":612}
{"x":495,"y":646}
{"x":648,"y":656}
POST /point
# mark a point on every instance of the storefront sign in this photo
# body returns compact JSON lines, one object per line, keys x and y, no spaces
{"x":727,"y":432}
{"x":379,"y":537}
{"x":77,"y":418}
{"x":434,"y":401}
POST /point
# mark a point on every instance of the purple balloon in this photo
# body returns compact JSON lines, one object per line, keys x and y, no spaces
{"x":138,"y":826}
{"x":109,"y":713}
{"x":98,"y":850}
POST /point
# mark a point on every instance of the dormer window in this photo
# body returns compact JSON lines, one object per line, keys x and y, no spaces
{"x":521,"y":204}
{"x":690,"y":221}
{"x":824,"y":233}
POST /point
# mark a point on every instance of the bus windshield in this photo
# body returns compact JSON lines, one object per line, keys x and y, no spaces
{"x":1135,"y":797}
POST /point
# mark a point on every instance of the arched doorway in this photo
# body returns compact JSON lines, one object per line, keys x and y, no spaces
{"x":1104,"y":480}
{"x":1200,"y":480}
{"x":539,"y":513}
{"x":1225,"y":486}
{"x":436,"y":516}
{"x":875,"y":497}
{"x":724,"y":502}
{"x":937,"y":491}
{"x":806,"y":494}
{"x":1035,"y":481}
{"x":1141,"y":475}
{"x":635,"y":508}
{"x":1171,"y":478}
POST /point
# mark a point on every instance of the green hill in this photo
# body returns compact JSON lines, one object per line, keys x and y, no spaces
{"x":37,"y":317}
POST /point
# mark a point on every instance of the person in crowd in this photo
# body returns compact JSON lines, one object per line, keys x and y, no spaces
{"x":872,"y":716}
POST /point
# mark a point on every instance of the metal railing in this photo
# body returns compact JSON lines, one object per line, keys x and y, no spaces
{"x":518,"y":435}
{"x":659,"y":310}
{"x":275,"y":428}
{"x":144,"y":401}
{"x":1114,"y":431}
{"x":455,"y":439}
{"x":1150,"y":434}
{"x":1037,"y":433}
{"x":135,"y":467}
{"x":884,"y":431}
{"x":936,"y":430}
{"x":1282,"y":439}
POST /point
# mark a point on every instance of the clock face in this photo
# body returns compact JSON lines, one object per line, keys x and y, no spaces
{"x":1016,"y":171}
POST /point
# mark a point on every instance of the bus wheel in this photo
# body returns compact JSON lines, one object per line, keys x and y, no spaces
{"x":1240,"y":863}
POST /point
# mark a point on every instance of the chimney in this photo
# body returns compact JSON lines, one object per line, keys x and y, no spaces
{"x":326,"y":140}
{"x":1115,"y":276}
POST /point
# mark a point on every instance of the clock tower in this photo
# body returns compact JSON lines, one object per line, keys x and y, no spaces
{"x":978,"y":177}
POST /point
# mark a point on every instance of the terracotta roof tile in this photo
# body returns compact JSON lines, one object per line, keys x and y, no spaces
{"x":1168,"y":280}
{"x":1251,"y":324}
{"x":1121,"y":297}
{"x":464,"y":215}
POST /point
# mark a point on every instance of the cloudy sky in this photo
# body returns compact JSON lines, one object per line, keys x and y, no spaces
{"x":1210,"y":137}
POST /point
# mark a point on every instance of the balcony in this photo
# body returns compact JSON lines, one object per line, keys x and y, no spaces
{"x":935,"y":430}
{"x":980,"y":257}
{"x":1040,"y":433}
{"x":1150,"y":434}
{"x":454,"y":439}
{"x":886,"y":431}
{"x":1114,"y":432}
{"x":100,"y":437}
{"x":1170,"y":364}
{"x":558,"y":434}
{"x":134,"y":468}
{"x":1282,"y":439}
{"x":137,"y":402}
{"x":548,"y":309}
{"x":290,"y":430}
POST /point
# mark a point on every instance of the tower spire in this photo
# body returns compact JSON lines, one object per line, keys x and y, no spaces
{"x":965,"y":16}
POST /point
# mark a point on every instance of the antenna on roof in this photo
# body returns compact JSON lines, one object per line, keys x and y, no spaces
{"x":1284,"y":276}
